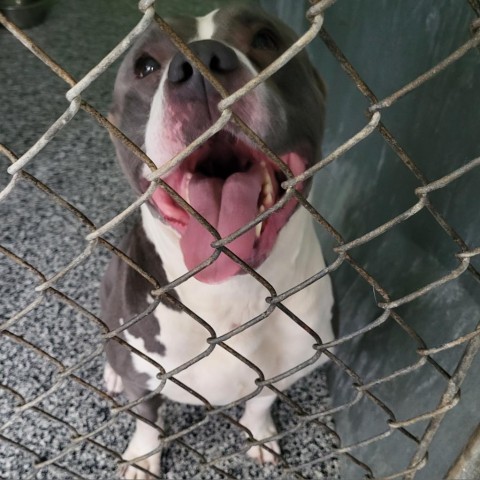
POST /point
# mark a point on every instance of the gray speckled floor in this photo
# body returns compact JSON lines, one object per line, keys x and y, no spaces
{"x":79,"y":164}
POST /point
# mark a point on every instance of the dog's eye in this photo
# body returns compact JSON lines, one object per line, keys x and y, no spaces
{"x":145,"y":65}
{"x":265,"y":39}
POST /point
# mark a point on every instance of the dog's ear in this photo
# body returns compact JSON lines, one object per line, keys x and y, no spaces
{"x":319,"y":82}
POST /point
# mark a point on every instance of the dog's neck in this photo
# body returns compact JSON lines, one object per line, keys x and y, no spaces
{"x":296,"y":251}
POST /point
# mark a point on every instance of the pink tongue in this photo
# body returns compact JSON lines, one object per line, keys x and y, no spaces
{"x":227,"y":205}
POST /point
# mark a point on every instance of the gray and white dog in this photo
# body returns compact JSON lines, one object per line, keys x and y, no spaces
{"x":163,"y":103}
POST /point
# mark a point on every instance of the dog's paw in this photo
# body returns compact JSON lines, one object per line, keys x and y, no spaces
{"x":113,"y":381}
{"x":258,"y":420}
{"x":144,"y":440}
{"x":151,"y":464}
{"x":130,"y":472}
{"x":261,"y":455}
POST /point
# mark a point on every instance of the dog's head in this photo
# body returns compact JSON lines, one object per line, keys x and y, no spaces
{"x":162,"y":104}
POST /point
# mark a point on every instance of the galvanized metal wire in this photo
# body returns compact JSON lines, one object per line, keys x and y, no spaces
{"x":95,"y":239}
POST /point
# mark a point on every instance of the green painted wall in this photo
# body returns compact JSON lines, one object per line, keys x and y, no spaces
{"x":390,"y":43}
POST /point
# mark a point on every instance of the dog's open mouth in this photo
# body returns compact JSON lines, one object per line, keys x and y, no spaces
{"x":229,"y":183}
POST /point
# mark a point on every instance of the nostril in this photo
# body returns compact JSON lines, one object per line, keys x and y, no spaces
{"x":187,"y":71}
{"x":215,"y":64}
{"x":216,"y":56}
{"x":180,"y":70}
{"x":222,"y":59}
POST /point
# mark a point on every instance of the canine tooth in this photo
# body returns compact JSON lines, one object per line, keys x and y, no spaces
{"x":267,"y":192}
{"x":269,"y":199}
{"x":268,"y":188}
{"x":258,"y":229}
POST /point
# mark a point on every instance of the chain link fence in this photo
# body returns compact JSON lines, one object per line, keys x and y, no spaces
{"x":18,"y":404}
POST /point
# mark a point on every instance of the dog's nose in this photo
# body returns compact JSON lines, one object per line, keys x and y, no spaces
{"x":216,"y":56}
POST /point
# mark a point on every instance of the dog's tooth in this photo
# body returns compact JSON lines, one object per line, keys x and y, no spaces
{"x":269,"y":188}
{"x":258,"y":229}
{"x":268,"y":194}
{"x":259,"y":226}
{"x":268,"y":201}
{"x":267,"y":185}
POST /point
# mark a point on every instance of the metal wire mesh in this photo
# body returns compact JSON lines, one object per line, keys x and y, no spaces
{"x":96,"y":238}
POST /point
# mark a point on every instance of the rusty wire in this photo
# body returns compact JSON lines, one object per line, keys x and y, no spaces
{"x":94,"y":240}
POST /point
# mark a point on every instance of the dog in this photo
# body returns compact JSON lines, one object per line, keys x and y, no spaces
{"x":162,"y":103}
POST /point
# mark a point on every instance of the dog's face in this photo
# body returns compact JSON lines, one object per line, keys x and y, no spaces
{"x":162,"y":104}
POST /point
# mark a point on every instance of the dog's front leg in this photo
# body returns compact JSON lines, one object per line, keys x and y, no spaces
{"x":258,"y":419}
{"x":145,"y":437}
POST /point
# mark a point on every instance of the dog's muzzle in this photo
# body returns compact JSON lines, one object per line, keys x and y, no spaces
{"x":227,"y":180}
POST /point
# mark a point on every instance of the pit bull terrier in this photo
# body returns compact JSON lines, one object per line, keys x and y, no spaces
{"x":162,"y":103}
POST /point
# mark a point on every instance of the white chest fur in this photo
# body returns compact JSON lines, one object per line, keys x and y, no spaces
{"x":274,"y":345}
